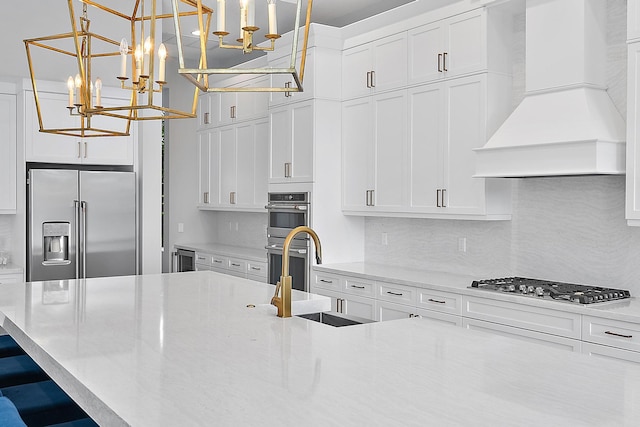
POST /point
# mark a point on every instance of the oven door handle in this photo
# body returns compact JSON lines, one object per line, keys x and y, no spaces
{"x":280,"y":248}
{"x":287,"y":207}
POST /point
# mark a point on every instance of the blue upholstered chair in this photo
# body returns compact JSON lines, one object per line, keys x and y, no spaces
{"x":16,"y":370}
{"x":8,"y":346}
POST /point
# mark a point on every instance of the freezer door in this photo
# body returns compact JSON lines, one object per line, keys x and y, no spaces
{"x":108,"y":223}
{"x":52,"y":235}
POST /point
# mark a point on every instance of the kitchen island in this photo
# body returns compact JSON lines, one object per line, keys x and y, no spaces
{"x":184,"y":349}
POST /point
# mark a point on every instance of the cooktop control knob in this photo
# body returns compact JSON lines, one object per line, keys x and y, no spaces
{"x":511,"y":288}
{"x":539,"y":291}
{"x":523,"y":289}
{"x":531,"y":289}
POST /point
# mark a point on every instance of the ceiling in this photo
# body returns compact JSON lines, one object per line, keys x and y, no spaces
{"x":336,"y":13}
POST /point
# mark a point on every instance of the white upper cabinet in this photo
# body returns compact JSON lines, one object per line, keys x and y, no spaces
{"x":448,"y":48}
{"x":291,"y":143}
{"x":374,"y":153}
{"x":633,"y":136}
{"x":204,"y":194}
{"x":52,"y":148}
{"x":376,"y":66}
{"x":7,"y":153}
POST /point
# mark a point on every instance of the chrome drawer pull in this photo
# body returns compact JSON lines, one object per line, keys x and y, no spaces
{"x":436,"y":301}
{"x":326,"y":281}
{"x":218,"y":261}
{"x":255,"y":268}
{"x":357,"y":287}
{"x":618,"y":335}
{"x":235,"y":265}
{"x":394,"y":293}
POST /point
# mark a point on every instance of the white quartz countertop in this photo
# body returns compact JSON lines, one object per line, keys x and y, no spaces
{"x":183,"y":349}
{"x":624,"y":310}
{"x":10,"y":269}
{"x":252,"y":254}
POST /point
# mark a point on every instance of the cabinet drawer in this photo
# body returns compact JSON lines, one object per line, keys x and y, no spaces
{"x":327,"y":281}
{"x":523,"y":316}
{"x":391,"y":311}
{"x":524,"y":335}
{"x":435,"y":316}
{"x":237,"y":266}
{"x":10,"y":278}
{"x":399,"y":294}
{"x":614,"y":333}
{"x":257,"y":269}
{"x":363,"y":287}
{"x":607,"y":352}
{"x":203,"y":259}
{"x":219,"y":262}
{"x":444,"y":302}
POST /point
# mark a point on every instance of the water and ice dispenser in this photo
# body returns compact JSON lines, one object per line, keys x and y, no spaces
{"x":55,"y":247}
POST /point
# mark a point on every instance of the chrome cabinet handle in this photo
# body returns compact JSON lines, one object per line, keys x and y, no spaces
{"x":368,"y":79}
{"x":206,"y":197}
{"x":287,"y":94}
{"x":444,"y":194}
{"x":436,"y":301}
{"x":618,"y":335}
{"x":232,"y":198}
{"x":287,"y":170}
{"x":357,"y":287}
{"x":85,"y":149}
{"x":444,"y":61}
{"x":79,"y":149}
{"x":206,"y":120}
{"x":233,"y":264}
{"x":256,"y":268}
{"x":369,"y":198}
{"x":438,"y":198}
{"x":233,"y":111}
{"x":394,"y":293}
{"x":439,"y":62}
{"x":373,"y":79}
{"x":217,"y":261}
{"x":326,"y":281}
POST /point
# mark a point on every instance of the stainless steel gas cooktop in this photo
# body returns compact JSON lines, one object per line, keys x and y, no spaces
{"x":570,"y":292}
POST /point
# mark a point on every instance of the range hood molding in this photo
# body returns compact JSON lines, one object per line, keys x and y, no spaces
{"x":566,"y":124}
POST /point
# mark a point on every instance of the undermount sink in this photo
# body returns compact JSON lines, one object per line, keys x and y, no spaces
{"x":334,"y":319}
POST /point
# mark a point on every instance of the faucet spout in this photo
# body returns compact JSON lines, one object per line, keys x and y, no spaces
{"x":282,"y":297}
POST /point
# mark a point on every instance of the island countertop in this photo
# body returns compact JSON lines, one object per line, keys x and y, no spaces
{"x":184,"y":349}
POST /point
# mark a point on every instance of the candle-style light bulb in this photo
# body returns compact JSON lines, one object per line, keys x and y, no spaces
{"x":273,"y":21}
{"x":147,"y":51}
{"x":70,"y":85}
{"x":243,"y":15}
{"x":251,"y":13}
{"x":78,"y":84}
{"x":98,"y":92}
{"x":124,"y":51}
{"x":138,"y":56}
{"x":162,"y":56}
{"x":221,"y":18}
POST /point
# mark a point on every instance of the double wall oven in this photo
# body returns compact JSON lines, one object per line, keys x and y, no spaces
{"x":287,"y":211}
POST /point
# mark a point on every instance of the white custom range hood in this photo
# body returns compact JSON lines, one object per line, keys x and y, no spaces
{"x":566,"y":123}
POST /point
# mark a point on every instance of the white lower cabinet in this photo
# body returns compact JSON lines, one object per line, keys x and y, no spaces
{"x":348,"y":295}
{"x":607,"y":352}
{"x":234,"y":266}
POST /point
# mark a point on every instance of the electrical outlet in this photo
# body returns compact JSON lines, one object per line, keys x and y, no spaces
{"x":384,"y":239}
{"x":180,"y":227}
{"x":462,"y":244}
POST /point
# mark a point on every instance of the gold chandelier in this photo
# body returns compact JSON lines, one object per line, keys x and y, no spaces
{"x":246,"y":42}
{"x":141,"y":72}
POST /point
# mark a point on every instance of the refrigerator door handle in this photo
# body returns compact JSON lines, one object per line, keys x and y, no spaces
{"x":83,"y":230}
{"x":76,"y":215}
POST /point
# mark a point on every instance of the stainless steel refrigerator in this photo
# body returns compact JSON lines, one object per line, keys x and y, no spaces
{"x":81,"y":224}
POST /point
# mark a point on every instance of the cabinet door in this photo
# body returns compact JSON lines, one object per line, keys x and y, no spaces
{"x":357,"y":153}
{"x":426,"y":53}
{"x":228,"y":107}
{"x":246,"y":164}
{"x":466,"y":43}
{"x":427,"y":135}
{"x":228,"y":166}
{"x":302,"y":142}
{"x":356,"y":68}
{"x":466,"y":108}
{"x":208,"y":110}
{"x":390,"y":62}
{"x":204,"y":178}
{"x":611,"y":353}
{"x":8,"y":141}
{"x":279,"y":143}
{"x":109,"y":150}
{"x":391,"y":311}
{"x":260,"y":165}
{"x":390,"y":122}
{"x":47,"y":147}
{"x":633,"y":131}
{"x":359,"y":306}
